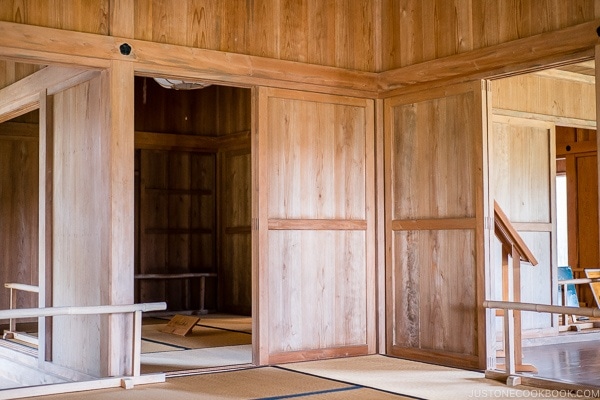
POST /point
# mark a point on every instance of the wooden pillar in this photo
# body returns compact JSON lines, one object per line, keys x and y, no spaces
{"x":46,"y":159}
{"x":120,"y":148}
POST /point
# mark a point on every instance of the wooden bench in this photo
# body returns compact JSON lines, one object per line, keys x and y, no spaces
{"x":191,"y":275}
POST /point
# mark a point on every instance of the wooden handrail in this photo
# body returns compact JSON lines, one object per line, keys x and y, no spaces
{"x":509,"y":236}
{"x":81,"y":310}
{"x":542,"y":308}
{"x":23,"y":287}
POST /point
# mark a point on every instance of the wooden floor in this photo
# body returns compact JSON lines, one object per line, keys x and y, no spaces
{"x":577,"y":362}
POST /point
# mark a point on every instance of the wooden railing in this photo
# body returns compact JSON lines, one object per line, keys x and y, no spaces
{"x":125,"y":381}
{"x":513,"y":247}
{"x":12,"y":333}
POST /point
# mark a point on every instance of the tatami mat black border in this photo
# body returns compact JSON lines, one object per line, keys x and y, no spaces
{"x":166,"y":344}
{"x":297,"y":395}
{"x":350,"y":383}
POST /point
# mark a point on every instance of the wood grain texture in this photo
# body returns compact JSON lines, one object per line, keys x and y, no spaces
{"x":433,"y":171}
{"x":80,"y":240}
{"x":82,"y":16}
{"x":119,"y":153}
{"x":323,"y":33}
{"x":18,"y":210}
{"x":521,"y":166}
{"x":416,"y":31}
{"x":434,"y":295}
{"x":522,"y":174}
{"x":317,"y":221}
{"x":317,"y":171}
{"x":542,"y":94}
{"x":305,"y":277}
{"x":27,"y":43}
{"x":434,"y":263}
{"x":548,"y":49}
{"x":11,"y":71}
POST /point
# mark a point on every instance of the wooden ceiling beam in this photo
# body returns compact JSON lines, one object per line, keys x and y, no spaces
{"x":40,"y":45}
{"x":23,"y":96}
{"x":529,"y":54}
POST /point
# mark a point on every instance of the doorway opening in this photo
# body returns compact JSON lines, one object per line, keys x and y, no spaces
{"x":543,"y":125}
{"x":193,"y":223}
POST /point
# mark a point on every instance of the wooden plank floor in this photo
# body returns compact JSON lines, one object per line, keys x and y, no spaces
{"x":577,"y":362}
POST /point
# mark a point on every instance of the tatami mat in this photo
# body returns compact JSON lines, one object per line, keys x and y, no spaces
{"x":223,"y":321}
{"x":196,"y":358}
{"x":368,"y":377}
{"x":413,"y":378}
{"x":200,"y":337}
{"x":256,"y":383}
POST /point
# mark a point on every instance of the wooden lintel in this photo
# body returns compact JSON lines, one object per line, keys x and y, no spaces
{"x":41,"y":45}
{"x":499,"y":60}
{"x":564,"y":149}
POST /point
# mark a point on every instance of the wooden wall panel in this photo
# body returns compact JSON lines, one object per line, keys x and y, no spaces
{"x":309,"y":282}
{"x":414,"y":31}
{"x":521,"y":168}
{"x":18,"y":210}
{"x":428,"y":284}
{"x":235,"y":266}
{"x":441,"y":156}
{"x":324,"y":33}
{"x":316,"y":226}
{"x":80,"y":231}
{"x":550,"y":94}
{"x":434,"y":200}
{"x":90,"y":16}
{"x":329,"y":169}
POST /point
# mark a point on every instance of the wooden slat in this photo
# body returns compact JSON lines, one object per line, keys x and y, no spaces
{"x":168,"y":141}
{"x":317,"y":224}
{"x":429,"y":224}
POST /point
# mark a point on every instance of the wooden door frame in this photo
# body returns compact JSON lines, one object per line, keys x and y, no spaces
{"x":567,"y":58}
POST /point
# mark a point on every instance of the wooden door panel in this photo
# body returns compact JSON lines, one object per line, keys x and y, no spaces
{"x":522,"y":169}
{"x":434,"y":225}
{"x":316,"y":267}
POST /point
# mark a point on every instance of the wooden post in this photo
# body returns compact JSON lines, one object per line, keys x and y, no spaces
{"x":137,"y":343}
{"x":12,"y":323}
{"x":509,"y":320}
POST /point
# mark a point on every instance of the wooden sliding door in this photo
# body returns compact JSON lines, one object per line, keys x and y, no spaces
{"x":85,"y":216}
{"x":315,"y":226}
{"x":435,"y":225}
{"x":522,"y":176}
{"x":90,"y":155}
